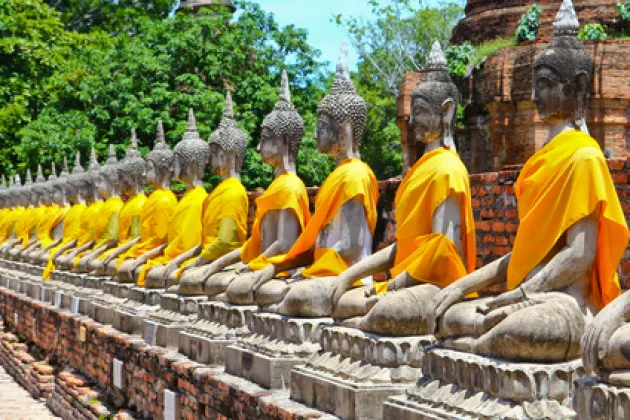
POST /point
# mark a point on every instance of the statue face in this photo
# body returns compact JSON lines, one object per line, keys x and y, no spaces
{"x":426,"y":121}
{"x":104,"y":187}
{"x":58,"y":195}
{"x":554,"y":98}
{"x":219,"y":161}
{"x":270,"y":147}
{"x":152,"y":176}
{"x":328,"y":135}
{"x":182,"y":171}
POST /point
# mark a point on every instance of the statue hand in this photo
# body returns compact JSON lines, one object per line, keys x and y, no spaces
{"x":263,"y":276}
{"x":507,"y":298}
{"x":168,"y":269}
{"x":244,"y":270}
{"x":338,"y":288}
{"x":600,"y":330}
{"x":444,"y":299}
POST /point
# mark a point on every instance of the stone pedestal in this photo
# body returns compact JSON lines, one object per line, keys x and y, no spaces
{"x":120,"y":290}
{"x":175,"y":314}
{"x":463,"y":385}
{"x":355,"y":372}
{"x":275,"y":346}
{"x":596,"y":399}
{"x":218,"y":326}
{"x":129,"y":314}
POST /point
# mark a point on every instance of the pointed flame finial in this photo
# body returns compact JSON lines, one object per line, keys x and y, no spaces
{"x":94,"y":165}
{"x":29,"y":177}
{"x":40,"y":174}
{"x":285,"y":91}
{"x":4,"y":182}
{"x":53,"y":171}
{"x":134,"y":139}
{"x":566,"y":20}
{"x":343,"y":71}
{"x":192,"y":122}
{"x":65,"y":171}
{"x":17,"y":181}
{"x":159,"y":135}
{"x":436,"y":59}
{"x":111,"y":155}
{"x":228,"y":112}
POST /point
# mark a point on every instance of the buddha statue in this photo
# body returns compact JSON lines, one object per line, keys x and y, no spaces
{"x":15,"y":201}
{"x":72,"y":191}
{"x":155,"y":215}
{"x":339,"y":234}
{"x":281,"y":211}
{"x":191,"y":156}
{"x":224,"y":210}
{"x":26,"y":227}
{"x":50,"y":228}
{"x":104,"y":230}
{"x":131,"y":175}
{"x":57,"y":189}
{"x":429,"y":252}
{"x":87,"y":184}
{"x":572,"y":233}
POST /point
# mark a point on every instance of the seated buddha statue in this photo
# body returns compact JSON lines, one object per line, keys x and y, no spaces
{"x":572,"y":233}
{"x":339,"y":234}
{"x":281,"y":211}
{"x":224,"y":215}
{"x":429,"y":252}
{"x":70,"y":189}
{"x":191,"y":156}
{"x":130,"y":173}
{"x":87,"y":182}
{"x":105,"y":229}
{"x":26,"y":226}
{"x":50,"y":228}
{"x":155,"y":215}
{"x":15,"y":201}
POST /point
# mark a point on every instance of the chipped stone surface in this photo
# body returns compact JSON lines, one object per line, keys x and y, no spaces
{"x":595,"y":399}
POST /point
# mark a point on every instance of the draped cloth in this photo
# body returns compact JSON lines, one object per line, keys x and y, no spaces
{"x":286,"y":192}
{"x":9,"y":222}
{"x":431,"y":257}
{"x":227,"y":201}
{"x":54,"y":215}
{"x":130,"y":212}
{"x":103,"y":225}
{"x":351,"y":180}
{"x":26,"y":225}
{"x":564,"y":182}
{"x":71,"y":232}
{"x":154,"y":223}
{"x":185,"y":230}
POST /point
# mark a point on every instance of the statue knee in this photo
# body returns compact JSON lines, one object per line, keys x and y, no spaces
{"x":271,"y":292}
{"x":617,"y":355}
{"x":239,"y":291}
{"x":155,"y":278}
{"x":218,"y":283}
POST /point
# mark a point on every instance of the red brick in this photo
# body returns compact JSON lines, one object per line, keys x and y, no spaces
{"x":498,"y":227}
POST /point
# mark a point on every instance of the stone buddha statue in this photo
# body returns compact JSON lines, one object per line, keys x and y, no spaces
{"x":49,"y":230}
{"x":572,"y":232}
{"x":74,"y":192}
{"x":191,"y":156}
{"x":281,"y":211}
{"x":17,"y":202}
{"x":339,"y":234}
{"x":429,"y":253}
{"x":105,"y":229}
{"x":225,"y":210}
{"x":131,"y":175}
{"x":27,"y":225}
{"x":85,"y":184}
{"x":155,"y":215}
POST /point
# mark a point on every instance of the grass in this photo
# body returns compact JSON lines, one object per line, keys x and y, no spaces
{"x":488,"y":48}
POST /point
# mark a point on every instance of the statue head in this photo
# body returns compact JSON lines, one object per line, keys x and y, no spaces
{"x":341,"y":114}
{"x":132,"y":167}
{"x":91,"y":179}
{"x":108,"y":175}
{"x":40,"y":193}
{"x":49,"y":186}
{"x":75,"y":181}
{"x":228,"y":143}
{"x":58,"y":185}
{"x":191,"y":155}
{"x":282,"y":130}
{"x":434,"y":102}
{"x":159,"y":161}
{"x":562,"y":73}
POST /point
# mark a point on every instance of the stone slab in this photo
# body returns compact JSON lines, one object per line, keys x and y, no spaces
{"x":596,"y":399}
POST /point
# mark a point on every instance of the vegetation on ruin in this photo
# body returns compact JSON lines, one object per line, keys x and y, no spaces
{"x":623,"y":9}
{"x":528,"y":26}
{"x":593,"y":32}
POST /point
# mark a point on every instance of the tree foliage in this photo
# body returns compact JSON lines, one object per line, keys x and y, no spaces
{"x":528,"y":25}
{"x":92,"y":89}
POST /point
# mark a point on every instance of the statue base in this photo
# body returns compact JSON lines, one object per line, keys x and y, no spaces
{"x":596,"y":399}
{"x":129,"y":314}
{"x":119,"y":290}
{"x":275,"y":346}
{"x":462,"y":385}
{"x":162,"y":326}
{"x":356,"y":372}
{"x":218,"y":326}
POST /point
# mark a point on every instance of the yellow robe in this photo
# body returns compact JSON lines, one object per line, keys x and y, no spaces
{"x":99,"y":231}
{"x":184,"y":231}
{"x":5,"y":219}
{"x":154,"y":223}
{"x":427,"y":256}
{"x":71,"y":231}
{"x":352,"y":179}
{"x":27,"y":223}
{"x":53,"y":217}
{"x":13,"y":217}
{"x":565,"y":181}
{"x":127,"y":229}
{"x":286,"y":192}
